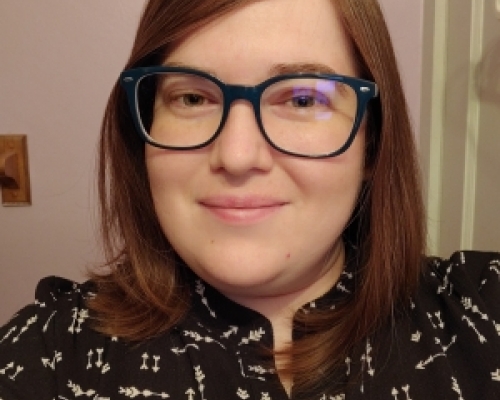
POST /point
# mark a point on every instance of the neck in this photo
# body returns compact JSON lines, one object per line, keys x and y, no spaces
{"x":280,"y":310}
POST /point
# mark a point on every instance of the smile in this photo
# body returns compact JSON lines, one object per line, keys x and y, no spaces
{"x":242,"y":210}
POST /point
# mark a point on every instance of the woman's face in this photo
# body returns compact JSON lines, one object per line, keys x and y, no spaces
{"x":251,"y":221}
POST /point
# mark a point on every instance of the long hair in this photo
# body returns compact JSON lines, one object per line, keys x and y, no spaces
{"x":143,"y":291}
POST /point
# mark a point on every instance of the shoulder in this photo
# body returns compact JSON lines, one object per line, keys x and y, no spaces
{"x":466,"y":284}
{"x":54,"y":290}
{"x":468,"y":268}
{"x":467,"y":272}
{"x":55,"y":299}
{"x":58,"y":303}
{"x":449,"y":338}
{"x":33,"y":342}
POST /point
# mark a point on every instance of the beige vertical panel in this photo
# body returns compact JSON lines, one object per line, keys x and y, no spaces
{"x":434,"y":63}
{"x":472,"y":128}
{"x":455,"y":124}
{"x":487,"y":91}
{"x":462,"y":112}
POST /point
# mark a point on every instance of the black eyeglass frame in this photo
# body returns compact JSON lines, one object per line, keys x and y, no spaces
{"x":131,"y":78}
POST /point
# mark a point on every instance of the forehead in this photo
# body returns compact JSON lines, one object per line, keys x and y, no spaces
{"x":250,"y":41}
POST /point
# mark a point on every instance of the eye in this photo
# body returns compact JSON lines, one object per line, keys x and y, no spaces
{"x":306,"y":101}
{"x":306,"y":98}
{"x":192,"y":99}
{"x":183,"y":91}
{"x":303,"y":101}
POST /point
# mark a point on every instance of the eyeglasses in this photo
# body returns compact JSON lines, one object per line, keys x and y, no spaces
{"x":306,"y":115}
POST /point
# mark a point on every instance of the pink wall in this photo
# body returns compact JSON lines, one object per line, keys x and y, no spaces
{"x":405,"y":20}
{"x":59,"y":60}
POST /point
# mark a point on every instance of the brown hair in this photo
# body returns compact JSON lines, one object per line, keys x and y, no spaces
{"x":144,"y":293}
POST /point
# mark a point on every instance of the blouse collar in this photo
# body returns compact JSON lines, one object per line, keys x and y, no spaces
{"x":216,"y":310}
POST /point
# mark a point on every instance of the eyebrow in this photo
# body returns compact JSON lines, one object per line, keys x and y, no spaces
{"x":184,"y":65}
{"x":297,"y":68}
{"x":276,"y":69}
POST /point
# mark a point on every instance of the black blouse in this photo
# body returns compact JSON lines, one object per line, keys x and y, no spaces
{"x":447,"y":346}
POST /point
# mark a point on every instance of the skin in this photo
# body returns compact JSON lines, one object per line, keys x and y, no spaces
{"x":262,"y":227}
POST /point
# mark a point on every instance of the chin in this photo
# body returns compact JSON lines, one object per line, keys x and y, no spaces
{"x":231,"y":277}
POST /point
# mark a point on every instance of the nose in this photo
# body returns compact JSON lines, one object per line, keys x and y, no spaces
{"x":240,"y":147}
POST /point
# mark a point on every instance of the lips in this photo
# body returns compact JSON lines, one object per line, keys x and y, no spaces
{"x":243,"y":209}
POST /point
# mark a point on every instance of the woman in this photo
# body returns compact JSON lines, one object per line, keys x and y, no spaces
{"x":263,"y":222}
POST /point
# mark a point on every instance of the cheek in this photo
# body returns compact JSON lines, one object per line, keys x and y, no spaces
{"x":157,"y":172}
{"x":338,"y":176}
{"x":165,"y":179}
{"x":167,"y":169}
{"x":336,"y":185}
